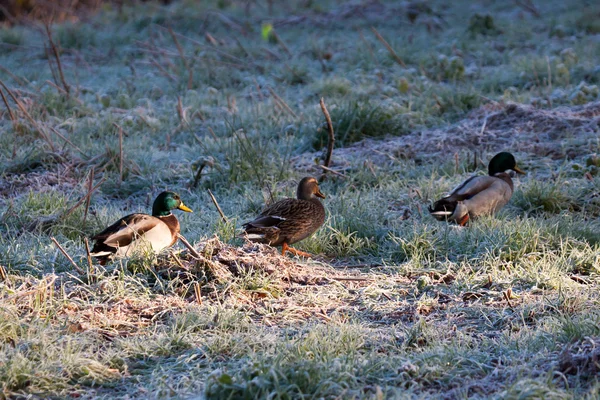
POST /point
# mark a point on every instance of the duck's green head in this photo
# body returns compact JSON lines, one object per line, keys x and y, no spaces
{"x":167,"y":201}
{"x":503,"y":161}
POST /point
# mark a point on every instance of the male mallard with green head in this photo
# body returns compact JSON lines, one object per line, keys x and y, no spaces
{"x":158,"y":230}
{"x":290,"y":220}
{"x":479,"y":195}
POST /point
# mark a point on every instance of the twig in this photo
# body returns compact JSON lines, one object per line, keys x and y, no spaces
{"x":120,"y":130}
{"x":221,"y":273}
{"x":456,"y":163}
{"x":388,"y":47}
{"x":216,"y":50}
{"x":88,"y":197}
{"x":191,"y":248}
{"x":485,"y":120}
{"x":3,"y":274}
{"x":77,"y":267}
{"x":353,"y":266}
{"x":230,"y":23}
{"x":210,"y":39}
{"x":369,"y":47}
{"x":182,"y":55}
{"x":276,"y":36}
{"x":178,"y":261}
{"x":505,"y":294}
{"x":207,"y":162}
{"x":163,"y":70}
{"x":331,"y":140}
{"x":282,"y":102}
{"x":60,"y":135}
{"x":89,"y":256}
{"x":20,"y":81}
{"x":198,"y":292}
{"x":89,"y":193}
{"x":28,"y":116}
{"x":10,"y":113}
{"x":52,"y":69}
{"x":348,"y":278}
{"x":214,"y":200}
{"x":58,"y":63}
{"x":333,"y":171}
{"x":528,"y":6}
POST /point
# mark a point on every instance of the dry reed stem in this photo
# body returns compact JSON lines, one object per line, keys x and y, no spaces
{"x":20,"y":81}
{"x":214,"y":200}
{"x":528,"y":6}
{"x":216,"y":50}
{"x":63,"y":137}
{"x":506,"y":297}
{"x":207,"y":162}
{"x":89,"y":193}
{"x":10,"y":113}
{"x":28,"y":116}
{"x":191,"y":248}
{"x":120,"y":132}
{"x":183,"y":58}
{"x":388,"y":47}
{"x":52,"y":69}
{"x":456,"y":163}
{"x":220,"y":272}
{"x":198,"y":292}
{"x":282,"y":103}
{"x":281,"y":42}
{"x":89,"y":196}
{"x":62,"y":250}
{"x":58,"y":63}
{"x":331,"y":140}
{"x":326,"y":169}
{"x":88,"y":256}
{"x":163,"y":70}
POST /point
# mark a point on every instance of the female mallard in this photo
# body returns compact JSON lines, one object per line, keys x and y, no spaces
{"x":479,"y":195}
{"x":290,"y":220}
{"x":158,"y":230}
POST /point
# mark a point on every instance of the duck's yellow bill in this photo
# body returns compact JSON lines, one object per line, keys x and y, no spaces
{"x":319,"y":194}
{"x":519,"y":170}
{"x":183,"y":207}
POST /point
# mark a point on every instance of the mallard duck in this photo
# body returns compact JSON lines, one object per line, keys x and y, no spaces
{"x":158,"y":230}
{"x":479,"y":195}
{"x":290,"y":220}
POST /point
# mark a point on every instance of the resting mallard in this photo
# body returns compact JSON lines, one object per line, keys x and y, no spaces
{"x":158,"y":230}
{"x":479,"y":195}
{"x":290,"y":220}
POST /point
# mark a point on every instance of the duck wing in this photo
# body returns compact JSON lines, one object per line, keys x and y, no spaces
{"x":288,"y":220}
{"x":124,"y":231}
{"x":479,"y":194}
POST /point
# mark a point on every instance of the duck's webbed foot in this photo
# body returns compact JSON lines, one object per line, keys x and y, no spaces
{"x":463,"y":220}
{"x":285,"y":248}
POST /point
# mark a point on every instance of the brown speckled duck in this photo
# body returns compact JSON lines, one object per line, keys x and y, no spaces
{"x":125,"y":236}
{"x":479,"y":195}
{"x":290,"y":220}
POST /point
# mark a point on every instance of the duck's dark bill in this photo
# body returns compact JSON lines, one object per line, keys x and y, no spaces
{"x":519,"y":170}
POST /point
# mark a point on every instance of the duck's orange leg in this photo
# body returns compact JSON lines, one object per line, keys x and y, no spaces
{"x":463,"y":221}
{"x":285,"y":248}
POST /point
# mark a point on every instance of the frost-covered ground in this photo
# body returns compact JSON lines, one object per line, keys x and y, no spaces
{"x":394,"y":304}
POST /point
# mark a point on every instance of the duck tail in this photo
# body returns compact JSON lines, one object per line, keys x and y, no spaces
{"x":251,"y":236}
{"x":442,"y":209}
